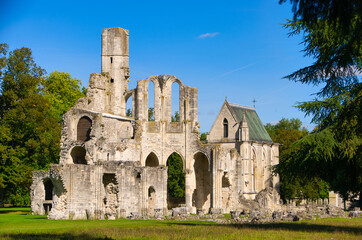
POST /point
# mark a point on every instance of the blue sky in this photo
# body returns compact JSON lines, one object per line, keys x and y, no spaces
{"x":236,"y":49}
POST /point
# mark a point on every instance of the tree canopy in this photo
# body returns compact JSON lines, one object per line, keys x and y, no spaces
{"x":30,"y":113}
{"x":294,"y":187}
{"x":332,"y":37}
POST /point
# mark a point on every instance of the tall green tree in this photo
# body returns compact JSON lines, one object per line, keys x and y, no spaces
{"x":176,"y":176}
{"x":332,"y":33}
{"x":62,"y":91}
{"x":30,"y":126}
{"x":286,"y":132}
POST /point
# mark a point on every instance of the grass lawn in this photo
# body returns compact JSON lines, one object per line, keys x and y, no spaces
{"x":16,"y":223}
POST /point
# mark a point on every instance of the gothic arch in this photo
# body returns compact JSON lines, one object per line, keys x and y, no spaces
{"x":152,"y":160}
{"x":168,"y":103}
{"x":168,"y":153}
{"x":175,"y":188}
{"x":128,"y":95}
{"x":156,"y":97}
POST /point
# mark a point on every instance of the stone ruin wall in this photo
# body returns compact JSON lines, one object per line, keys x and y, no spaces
{"x":104,"y":173}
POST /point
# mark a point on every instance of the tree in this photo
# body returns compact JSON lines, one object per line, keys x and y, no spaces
{"x":176,"y":176}
{"x":30,"y":113}
{"x":129,"y":113}
{"x":203,"y":136}
{"x":62,"y":91}
{"x":332,"y":33}
{"x":151,"y":114}
{"x":286,"y":132}
{"x":175,"y":117}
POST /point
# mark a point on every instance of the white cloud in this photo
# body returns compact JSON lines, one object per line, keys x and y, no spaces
{"x":211,"y":112}
{"x":208,"y":35}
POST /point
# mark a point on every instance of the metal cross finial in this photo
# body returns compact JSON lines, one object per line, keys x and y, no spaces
{"x":254,"y":101}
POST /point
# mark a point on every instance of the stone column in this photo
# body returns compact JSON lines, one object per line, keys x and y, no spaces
{"x":188,"y":189}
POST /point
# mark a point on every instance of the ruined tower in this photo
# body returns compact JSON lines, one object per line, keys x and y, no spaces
{"x":115,"y":57}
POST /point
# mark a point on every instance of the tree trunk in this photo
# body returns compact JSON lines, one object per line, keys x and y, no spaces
{"x":1,"y":197}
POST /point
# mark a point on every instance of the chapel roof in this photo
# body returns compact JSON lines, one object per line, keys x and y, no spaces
{"x":257,"y":131}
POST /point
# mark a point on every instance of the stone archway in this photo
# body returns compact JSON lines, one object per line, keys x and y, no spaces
{"x":201,"y":195}
{"x":175,"y":181}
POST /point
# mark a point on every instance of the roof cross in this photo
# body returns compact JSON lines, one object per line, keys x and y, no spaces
{"x":254,"y":101}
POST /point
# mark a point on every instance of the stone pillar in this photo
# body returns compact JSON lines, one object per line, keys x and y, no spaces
{"x":188,"y":188}
{"x":214,"y":181}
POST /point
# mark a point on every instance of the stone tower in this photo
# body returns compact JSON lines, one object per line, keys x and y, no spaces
{"x":115,"y":57}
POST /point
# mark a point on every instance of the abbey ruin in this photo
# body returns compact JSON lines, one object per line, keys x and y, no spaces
{"x":112,"y":165}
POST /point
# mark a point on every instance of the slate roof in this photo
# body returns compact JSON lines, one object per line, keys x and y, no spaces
{"x":257,"y":132}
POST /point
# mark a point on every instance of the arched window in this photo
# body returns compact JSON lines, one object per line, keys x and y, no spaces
{"x":78,"y":155}
{"x":175,"y":102}
{"x":48,"y":187}
{"x":151,"y":101}
{"x":151,"y":160}
{"x":84,"y":129}
{"x":226,"y":128}
{"x":129,"y":107}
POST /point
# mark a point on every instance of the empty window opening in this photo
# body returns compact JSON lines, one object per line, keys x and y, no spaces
{"x":226,"y":128}
{"x":109,"y":178}
{"x":225,"y":181}
{"x":175,"y":181}
{"x":83,"y":129}
{"x":48,"y":187}
{"x":111,"y":60}
{"x":129,"y":107}
{"x":152,"y":160}
{"x":78,"y":155}
{"x":175,"y":107}
{"x":151,"y":101}
{"x":112,"y":80}
{"x":151,"y":191}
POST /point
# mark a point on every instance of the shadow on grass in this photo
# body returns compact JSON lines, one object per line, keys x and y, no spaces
{"x":46,"y":236}
{"x":304,"y":227}
{"x":20,"y":212}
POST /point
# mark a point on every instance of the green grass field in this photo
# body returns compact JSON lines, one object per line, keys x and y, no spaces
{"x":17,"y":223}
